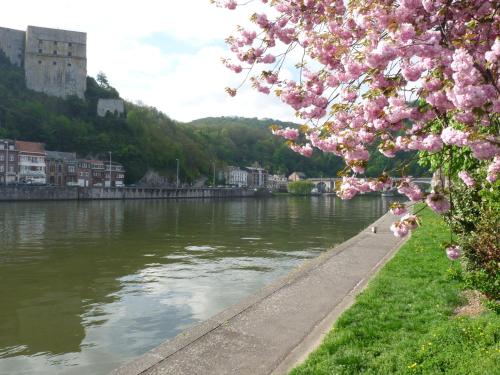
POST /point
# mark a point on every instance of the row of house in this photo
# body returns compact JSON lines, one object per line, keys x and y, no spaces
{"x":254,"y":177}
{"x":29,"y":163}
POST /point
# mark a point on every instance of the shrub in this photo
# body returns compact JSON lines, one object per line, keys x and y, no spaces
{"x":300,"y":187}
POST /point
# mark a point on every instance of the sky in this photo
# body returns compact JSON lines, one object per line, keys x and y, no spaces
{"x":164,"y":53}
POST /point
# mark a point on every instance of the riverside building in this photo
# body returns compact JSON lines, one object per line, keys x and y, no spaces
{"x":31,"y":162}
{"x":235,"y":176}
{"x":60,"y":168}
{"x":8,"y":161}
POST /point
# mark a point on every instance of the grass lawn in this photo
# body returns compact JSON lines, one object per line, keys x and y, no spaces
{"x":403,"y":323}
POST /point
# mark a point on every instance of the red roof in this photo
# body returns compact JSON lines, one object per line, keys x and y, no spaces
{"x":32,"y":147}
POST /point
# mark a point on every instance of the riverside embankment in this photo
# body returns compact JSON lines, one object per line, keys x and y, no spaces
{"x":269,"y":332}
{"x":51,"y":193}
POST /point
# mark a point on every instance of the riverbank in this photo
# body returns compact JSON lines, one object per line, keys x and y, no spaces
{"x":52,"y":193}
{"x":269,"y":331}
{"x":405,"y":321}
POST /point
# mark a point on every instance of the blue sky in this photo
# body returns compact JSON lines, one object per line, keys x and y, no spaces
{"x":165,"y":53}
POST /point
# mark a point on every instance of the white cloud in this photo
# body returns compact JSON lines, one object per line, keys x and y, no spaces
{"x":165,"y":53}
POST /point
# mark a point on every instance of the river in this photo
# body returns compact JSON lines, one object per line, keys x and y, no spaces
{"x":87,"y":286}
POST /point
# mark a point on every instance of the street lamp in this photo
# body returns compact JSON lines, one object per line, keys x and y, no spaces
{"x":214,"y":174}
{"x":6,"y":161}
{"x":110,"y":183}
{"x":177,"y":183}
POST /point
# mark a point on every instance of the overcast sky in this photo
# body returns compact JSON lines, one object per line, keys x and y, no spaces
{"x":165,"y":53}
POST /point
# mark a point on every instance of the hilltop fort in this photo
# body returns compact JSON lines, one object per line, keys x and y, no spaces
{"x":54,"y":61}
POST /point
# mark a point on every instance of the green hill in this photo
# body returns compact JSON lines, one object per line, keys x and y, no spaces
{"x":146,"y":138}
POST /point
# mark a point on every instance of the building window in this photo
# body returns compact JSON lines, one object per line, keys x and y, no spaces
{"x":54,"y":63}
{"x":70,"y":44}
{"x":11,"y":157}
{"x":40,"y":50}
{"x":69,"y":64}
{"x":40,"y":42}
{"x":55,"y":43}
{"x":2,"y":157}
{"x":70,"y":54}
{"x":1,"y":168}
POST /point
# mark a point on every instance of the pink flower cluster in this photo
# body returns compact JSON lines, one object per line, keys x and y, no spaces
{"x":467,"y":178}
{"x":305,"y":150}
{"x":405,"y":225}
{"x":453,"y":252}
{"x":351,"y":186}
{"x":493,"y":170}
{"x":411,"y":190}
{"x":398,"y":209}
{"x":287,"y":133}
{"x":438,"y":203}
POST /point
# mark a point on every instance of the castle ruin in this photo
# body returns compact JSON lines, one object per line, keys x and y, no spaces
{"x":54,"y":61}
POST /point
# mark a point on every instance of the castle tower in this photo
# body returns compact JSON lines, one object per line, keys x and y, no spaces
{"x":56,"y":61}
{"x":12,"y":44}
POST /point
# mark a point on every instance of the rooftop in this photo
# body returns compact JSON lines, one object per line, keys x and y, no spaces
{"x":59,"y":155}
{"x":33,"y":147}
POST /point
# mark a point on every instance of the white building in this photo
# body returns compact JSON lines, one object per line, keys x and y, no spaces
{"x":31,"y":162}
{"x":277,"y":182}
{"x":236,"y":177}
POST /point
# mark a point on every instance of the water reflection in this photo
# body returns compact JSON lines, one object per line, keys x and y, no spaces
{"x":87,"y":286}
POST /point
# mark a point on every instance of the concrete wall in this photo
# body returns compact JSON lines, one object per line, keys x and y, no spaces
{"x":56,"y":61}
{"x":12,"y":44}
{"x":41,"y":193}
{"x":110,"y":105}
{"x":37,"y":193}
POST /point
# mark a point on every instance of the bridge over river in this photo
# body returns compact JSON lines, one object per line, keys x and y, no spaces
{"x":331,"y":184}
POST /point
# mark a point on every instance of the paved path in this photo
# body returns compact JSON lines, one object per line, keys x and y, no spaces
{"x":269,"y":332}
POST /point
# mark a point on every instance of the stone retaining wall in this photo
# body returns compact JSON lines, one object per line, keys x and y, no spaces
{"x":49,"y":193}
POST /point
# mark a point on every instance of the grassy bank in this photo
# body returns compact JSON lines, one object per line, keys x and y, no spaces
{"x":403,"y":323}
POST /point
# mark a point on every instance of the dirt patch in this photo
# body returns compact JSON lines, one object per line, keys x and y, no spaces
{"x":473,"y":306}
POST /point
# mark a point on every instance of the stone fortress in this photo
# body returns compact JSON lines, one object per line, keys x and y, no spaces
{"x":54,"y":62}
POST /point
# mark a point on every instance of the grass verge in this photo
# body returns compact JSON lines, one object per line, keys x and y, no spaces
{"x":403,"y":322}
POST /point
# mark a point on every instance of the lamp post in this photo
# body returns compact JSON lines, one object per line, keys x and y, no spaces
{"x":110,"y":179}
{"x":177,"y":183}
{"x":6,"y":160}
{"x":214,"y":176}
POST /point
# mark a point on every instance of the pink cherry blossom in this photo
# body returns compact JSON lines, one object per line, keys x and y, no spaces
{"x":306,"y":150}
{"x":493,"y":170}
{"x":438,"y":203}
{"x":453,"y":252}
{"x":466,"y":178}
{"x":397,"y":76}
{"x":411,"y":190}
{"x":451,"y":136}
{"x":287,"y":133}
{"x":411,"y":221}
{"x":400,"y":229}
{"x":398,"y":209}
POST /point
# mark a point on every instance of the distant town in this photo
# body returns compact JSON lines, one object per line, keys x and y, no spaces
{"x":24,"y":162}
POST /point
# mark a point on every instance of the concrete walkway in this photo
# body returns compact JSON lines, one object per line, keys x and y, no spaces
{"x":273,"y":330}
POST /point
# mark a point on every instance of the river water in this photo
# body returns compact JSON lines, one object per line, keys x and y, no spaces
{"x":87,"y":286}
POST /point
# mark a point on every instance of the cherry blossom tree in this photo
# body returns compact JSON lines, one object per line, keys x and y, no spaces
{"x":383,"y":76}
